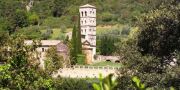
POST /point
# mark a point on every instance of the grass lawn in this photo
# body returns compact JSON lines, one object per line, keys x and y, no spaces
{"x":107,"y":64}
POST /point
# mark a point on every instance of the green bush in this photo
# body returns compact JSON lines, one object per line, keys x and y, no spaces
{"x":47,"y":34}
{"x":33,"y":18}
{"x":61,"y":36}
{"x":126,"y":30}
{"x":107,"y":83}
{"x":73,"y":84}
{"x":31,"y":32}
{"x":80,"y":59}
{"x":107,"y":17}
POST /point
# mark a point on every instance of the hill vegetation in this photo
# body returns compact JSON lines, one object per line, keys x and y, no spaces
{"x":45,"y":14}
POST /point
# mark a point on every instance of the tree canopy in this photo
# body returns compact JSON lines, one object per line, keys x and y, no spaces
{"x":160,"y":35}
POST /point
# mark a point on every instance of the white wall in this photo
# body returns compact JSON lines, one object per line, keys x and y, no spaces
{"x":87,"y":12}
{"x":88,"y":21}
{"x":88,"y":26}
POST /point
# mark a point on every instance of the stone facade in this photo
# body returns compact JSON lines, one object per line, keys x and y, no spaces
{"x":88,"y":31}
{"x":87,"y":50}
{"x":115,"y":59}
{"x":62,"y":49}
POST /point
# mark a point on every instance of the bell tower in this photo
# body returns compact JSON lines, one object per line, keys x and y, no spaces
{"x":88,"y":27}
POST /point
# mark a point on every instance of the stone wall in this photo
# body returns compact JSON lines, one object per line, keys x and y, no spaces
{"x":88,"y":53}
{"x":100,"y":58}
{"x":86,"y":71}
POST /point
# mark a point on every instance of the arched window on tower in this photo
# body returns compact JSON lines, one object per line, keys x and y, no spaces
{"x":82,"y":14}
{"x":81,"y":30}
{"x":85,"y":13}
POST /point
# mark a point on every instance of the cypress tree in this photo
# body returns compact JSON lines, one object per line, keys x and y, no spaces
{"x":76,"y":41}
{"x":79,"y":44}
{"x":74,"y":47}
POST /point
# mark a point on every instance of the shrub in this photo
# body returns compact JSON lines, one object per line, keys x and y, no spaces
{"x":81,"y":59}
{"x":33,"y":19}
{"x":73,"y":84}
{"x":107,"y":17}
{"x":31,"y":32}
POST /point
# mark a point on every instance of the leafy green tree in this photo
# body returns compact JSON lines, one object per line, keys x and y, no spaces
{"x":43,"y":9}
{"x":4,"y":38}
{"x":31,"y":33}
{"x":33,"y":19}
{"x":21,"y":18}
{"x":4,"y":25}
{"x":147,"y":66}
{"x":20,"y":70}
{"x":107,"y":17}
{"x":160,"y":34}
{"x":54,"y":61}
{"x":8,"y":13}
{"x":59,"y":7}
{"x":107,"y":45}
{"x":47,"y":34}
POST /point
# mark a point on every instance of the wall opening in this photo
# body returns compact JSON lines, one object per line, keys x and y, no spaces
{"x":43,"y":50}
{"x":108,"y":60}
{"x":82,"y":14}
{"x":85,"y":13}
{"x":83,"y":36}
{"x":117,"y":61}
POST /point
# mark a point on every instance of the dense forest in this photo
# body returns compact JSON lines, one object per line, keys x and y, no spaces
{"x":55,"y":13}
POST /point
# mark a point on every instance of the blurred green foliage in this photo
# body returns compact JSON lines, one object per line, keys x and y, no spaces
{"x":54,"y":13}
{"x":81,"y":59}
{"x":107,"y":83}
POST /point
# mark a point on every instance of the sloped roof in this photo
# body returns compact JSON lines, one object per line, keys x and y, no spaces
{"x":87,"y":6}
{"x":86,"y":43}
{"x":61,"y":47}
{"x":44,"y":42}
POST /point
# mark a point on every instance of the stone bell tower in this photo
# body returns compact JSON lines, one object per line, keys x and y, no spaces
{"x":88,"y":31}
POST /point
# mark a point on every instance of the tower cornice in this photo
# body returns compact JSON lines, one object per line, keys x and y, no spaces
{"x":88,"y":6}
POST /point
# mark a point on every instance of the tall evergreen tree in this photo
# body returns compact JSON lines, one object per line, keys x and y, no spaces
{"x":79,"y":44}
{"x":74,"y":43}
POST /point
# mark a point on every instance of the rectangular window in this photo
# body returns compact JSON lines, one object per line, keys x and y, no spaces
{"x":42,"y":49}
{"x":83,"y":36}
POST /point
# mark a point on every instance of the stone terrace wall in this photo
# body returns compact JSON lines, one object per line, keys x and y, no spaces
{"x":100,"y":58}
{"x":85,"y":72}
